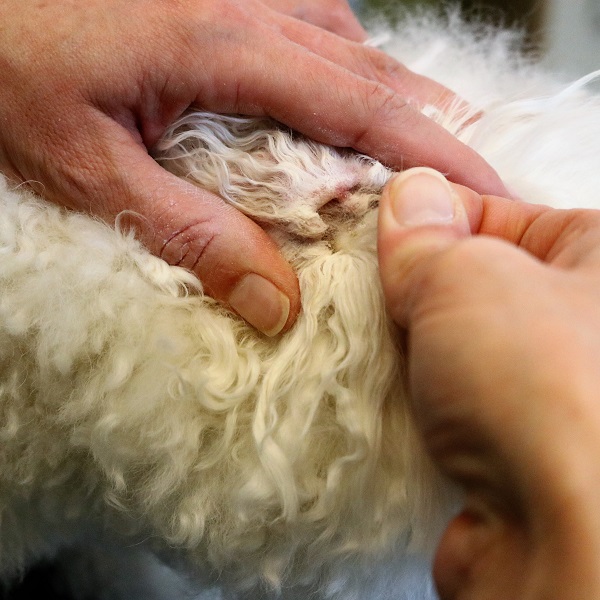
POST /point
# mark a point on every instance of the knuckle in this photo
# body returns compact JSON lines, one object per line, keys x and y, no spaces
{"x":384,"y":103}
{"x":382,"y":108}
{"x":383,"y":66}
{"x":413,"y":87}
{"x":188,"y":246}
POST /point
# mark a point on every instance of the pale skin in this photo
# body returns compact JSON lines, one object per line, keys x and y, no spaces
{"x":89,"y":86}
{"x":499,"y":300}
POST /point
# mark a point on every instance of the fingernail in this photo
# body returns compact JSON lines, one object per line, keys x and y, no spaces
{"x":421,"y":196}
{"x":261,"y":304}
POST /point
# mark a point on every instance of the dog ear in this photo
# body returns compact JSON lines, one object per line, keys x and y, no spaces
{"x":270,"y":173}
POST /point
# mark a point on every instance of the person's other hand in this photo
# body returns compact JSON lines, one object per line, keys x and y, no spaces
{"x":503,"y":341}
{"x":88,"y":86}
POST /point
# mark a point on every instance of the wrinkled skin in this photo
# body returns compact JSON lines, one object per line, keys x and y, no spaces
{"x":89,"y":86}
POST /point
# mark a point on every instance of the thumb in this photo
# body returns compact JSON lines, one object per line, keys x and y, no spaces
{"x":420,"y":215}
{"x":236,"y":261}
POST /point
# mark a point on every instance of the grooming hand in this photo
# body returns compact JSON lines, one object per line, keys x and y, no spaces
{"x":503,"y":334}
{"x":333,"y":15}
{"x":88,"y":86}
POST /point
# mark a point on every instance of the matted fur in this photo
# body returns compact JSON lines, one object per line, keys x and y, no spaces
{"x":132,"y":403}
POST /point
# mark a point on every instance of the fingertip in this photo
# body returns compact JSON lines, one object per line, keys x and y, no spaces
{"x":483,"y":178}
{"x":457,"y":552}
{"x":263,"y":305}
{"x":244,"y":269}
{"x":260,"y":285}
{"x":422,"y":197}
{"x":496,"y":187}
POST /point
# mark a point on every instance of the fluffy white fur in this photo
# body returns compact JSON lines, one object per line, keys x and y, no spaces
{"x":134,"y":410}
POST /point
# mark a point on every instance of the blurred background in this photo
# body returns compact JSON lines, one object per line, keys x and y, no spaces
{"x":567,"y":32}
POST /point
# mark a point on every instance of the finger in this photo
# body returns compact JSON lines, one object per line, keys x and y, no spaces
{"x":564,"y":238}
{"x":232,"y":256}
{"x":343,"y":22}
{"x":547,"y":234}
{"x":373,"y":64}
{"x":479,"y":553}
{"x":420,"y":215}
{"x":336,"y":17}
{"x":332,"y":105}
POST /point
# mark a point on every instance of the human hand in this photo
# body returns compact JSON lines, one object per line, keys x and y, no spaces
{"x":88,"y":86}
{"x":333,"y":15}
{"x":503,"y":340}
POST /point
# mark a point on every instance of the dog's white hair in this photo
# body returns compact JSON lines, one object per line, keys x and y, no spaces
{"x":132,"y":403}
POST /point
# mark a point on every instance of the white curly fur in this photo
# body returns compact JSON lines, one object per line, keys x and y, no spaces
{"x":133,"y":405}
